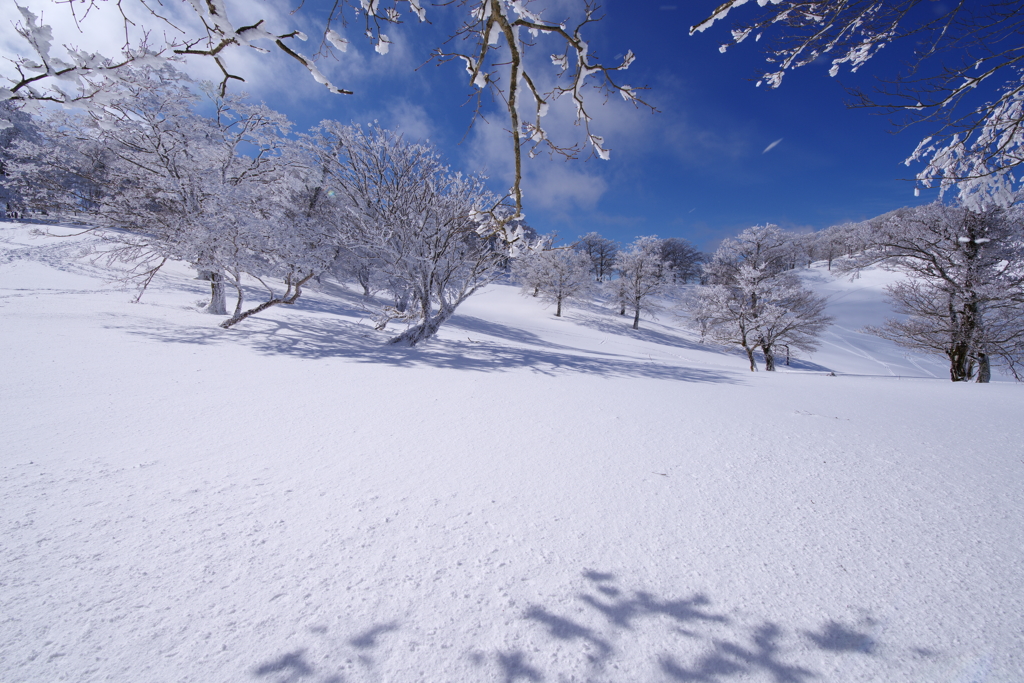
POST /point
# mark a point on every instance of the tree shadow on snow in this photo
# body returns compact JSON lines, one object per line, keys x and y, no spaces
{"x":296,"y":666}
{"x":599,"y":639}
{"x":316,"y":337}
{"x":730,"y":650}
{"x":623,"y":327}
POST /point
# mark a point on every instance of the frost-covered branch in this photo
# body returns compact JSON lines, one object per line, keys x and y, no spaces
{"x":964,"y":81}
{"x":498,"y":37}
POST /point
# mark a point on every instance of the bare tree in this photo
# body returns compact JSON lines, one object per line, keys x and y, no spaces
{"x":601,"y":251}
{"x":681,"y":258}
{"x":754,"y":301}
{"x":425,"y":228}
{"x":964,"y":82}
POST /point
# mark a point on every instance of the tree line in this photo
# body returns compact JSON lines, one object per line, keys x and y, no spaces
{"x":961,"y":297}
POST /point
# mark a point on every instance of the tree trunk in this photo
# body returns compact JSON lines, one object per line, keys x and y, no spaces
{"x":218,"y":292}
{"x":636,"y":319}
{"x":363,"y":276}
{"x":750,"y":357}
{"x":622,"y":310}
{"x":426,"y":329}
{"x":558,"y":308}
{"x":965,"y":324}
{"x":769,"y":357}
{"x":958,"y":360}
{"x":240,"y":297}
{"x":984,"y":369}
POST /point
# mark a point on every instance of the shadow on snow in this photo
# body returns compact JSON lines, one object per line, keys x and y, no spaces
{"x":318,"y":332}
{"x":725,"y":650}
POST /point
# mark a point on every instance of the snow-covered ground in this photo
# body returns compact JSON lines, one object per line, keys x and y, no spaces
{"x":524,"y":499}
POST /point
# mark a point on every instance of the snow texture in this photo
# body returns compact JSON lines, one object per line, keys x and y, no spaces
{"x":524,"y":498}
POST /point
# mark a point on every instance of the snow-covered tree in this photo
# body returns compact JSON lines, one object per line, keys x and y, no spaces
{"x":765,"y":247}
{"x":558,"y":276}
{"x":754,"y":300}
{"x":425,"y":228}
{"x":601,"y":251}
{"x":642,"y":277}
{"x":965,"y":296}
{"x":831,"y":243}
{"x":21,"y":128}
{"x":164,"y":182}
{"x":493,"y":42}
{"x":964,"y":81}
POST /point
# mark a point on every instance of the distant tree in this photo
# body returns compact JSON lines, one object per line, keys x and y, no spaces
{"x":965,"y":293}
{"x":21,"y":128}
{"x":642,"y":277}
{"x":766,"y":247}
{"x":754,"y":300}
{"x":601,"y":251}
{"x":558,"y":276}
{"x":831,"y":243}
{"x":527,"y":268}
{"x":682,"y":259}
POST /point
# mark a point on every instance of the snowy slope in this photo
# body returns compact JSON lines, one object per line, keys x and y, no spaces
{"x":525,"y":499}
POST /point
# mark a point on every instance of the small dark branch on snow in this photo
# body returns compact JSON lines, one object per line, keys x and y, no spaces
{"x":291,"y":295}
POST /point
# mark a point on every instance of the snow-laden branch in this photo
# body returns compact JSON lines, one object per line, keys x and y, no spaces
{"x":952,"y":83}
{"x":496,"y":57}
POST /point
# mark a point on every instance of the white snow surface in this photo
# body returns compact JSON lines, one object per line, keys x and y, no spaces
{"x":523,"y":499}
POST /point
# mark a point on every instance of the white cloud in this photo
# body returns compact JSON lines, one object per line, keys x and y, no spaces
{"x":411,"y":120}
{"x":551,"y":184}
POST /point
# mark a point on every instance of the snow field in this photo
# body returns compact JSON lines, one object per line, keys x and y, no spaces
{"x":524,"y":499}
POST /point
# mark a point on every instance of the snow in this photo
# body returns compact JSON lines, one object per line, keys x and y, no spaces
{"x":523,"y":499}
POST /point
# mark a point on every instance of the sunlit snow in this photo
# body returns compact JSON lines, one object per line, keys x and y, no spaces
{"x":524,"y":498}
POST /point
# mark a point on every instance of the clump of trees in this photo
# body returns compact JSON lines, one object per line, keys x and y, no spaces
{"x":642,"y":277}
{"x":637,"y":277}
{"x":237,"y":198}
{"x":753,"y":300}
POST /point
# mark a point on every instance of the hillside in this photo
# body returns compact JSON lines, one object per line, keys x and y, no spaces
{"x":526,"y":498}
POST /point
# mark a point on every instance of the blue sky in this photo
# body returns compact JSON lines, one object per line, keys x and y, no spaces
{"x":698,"y":169}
